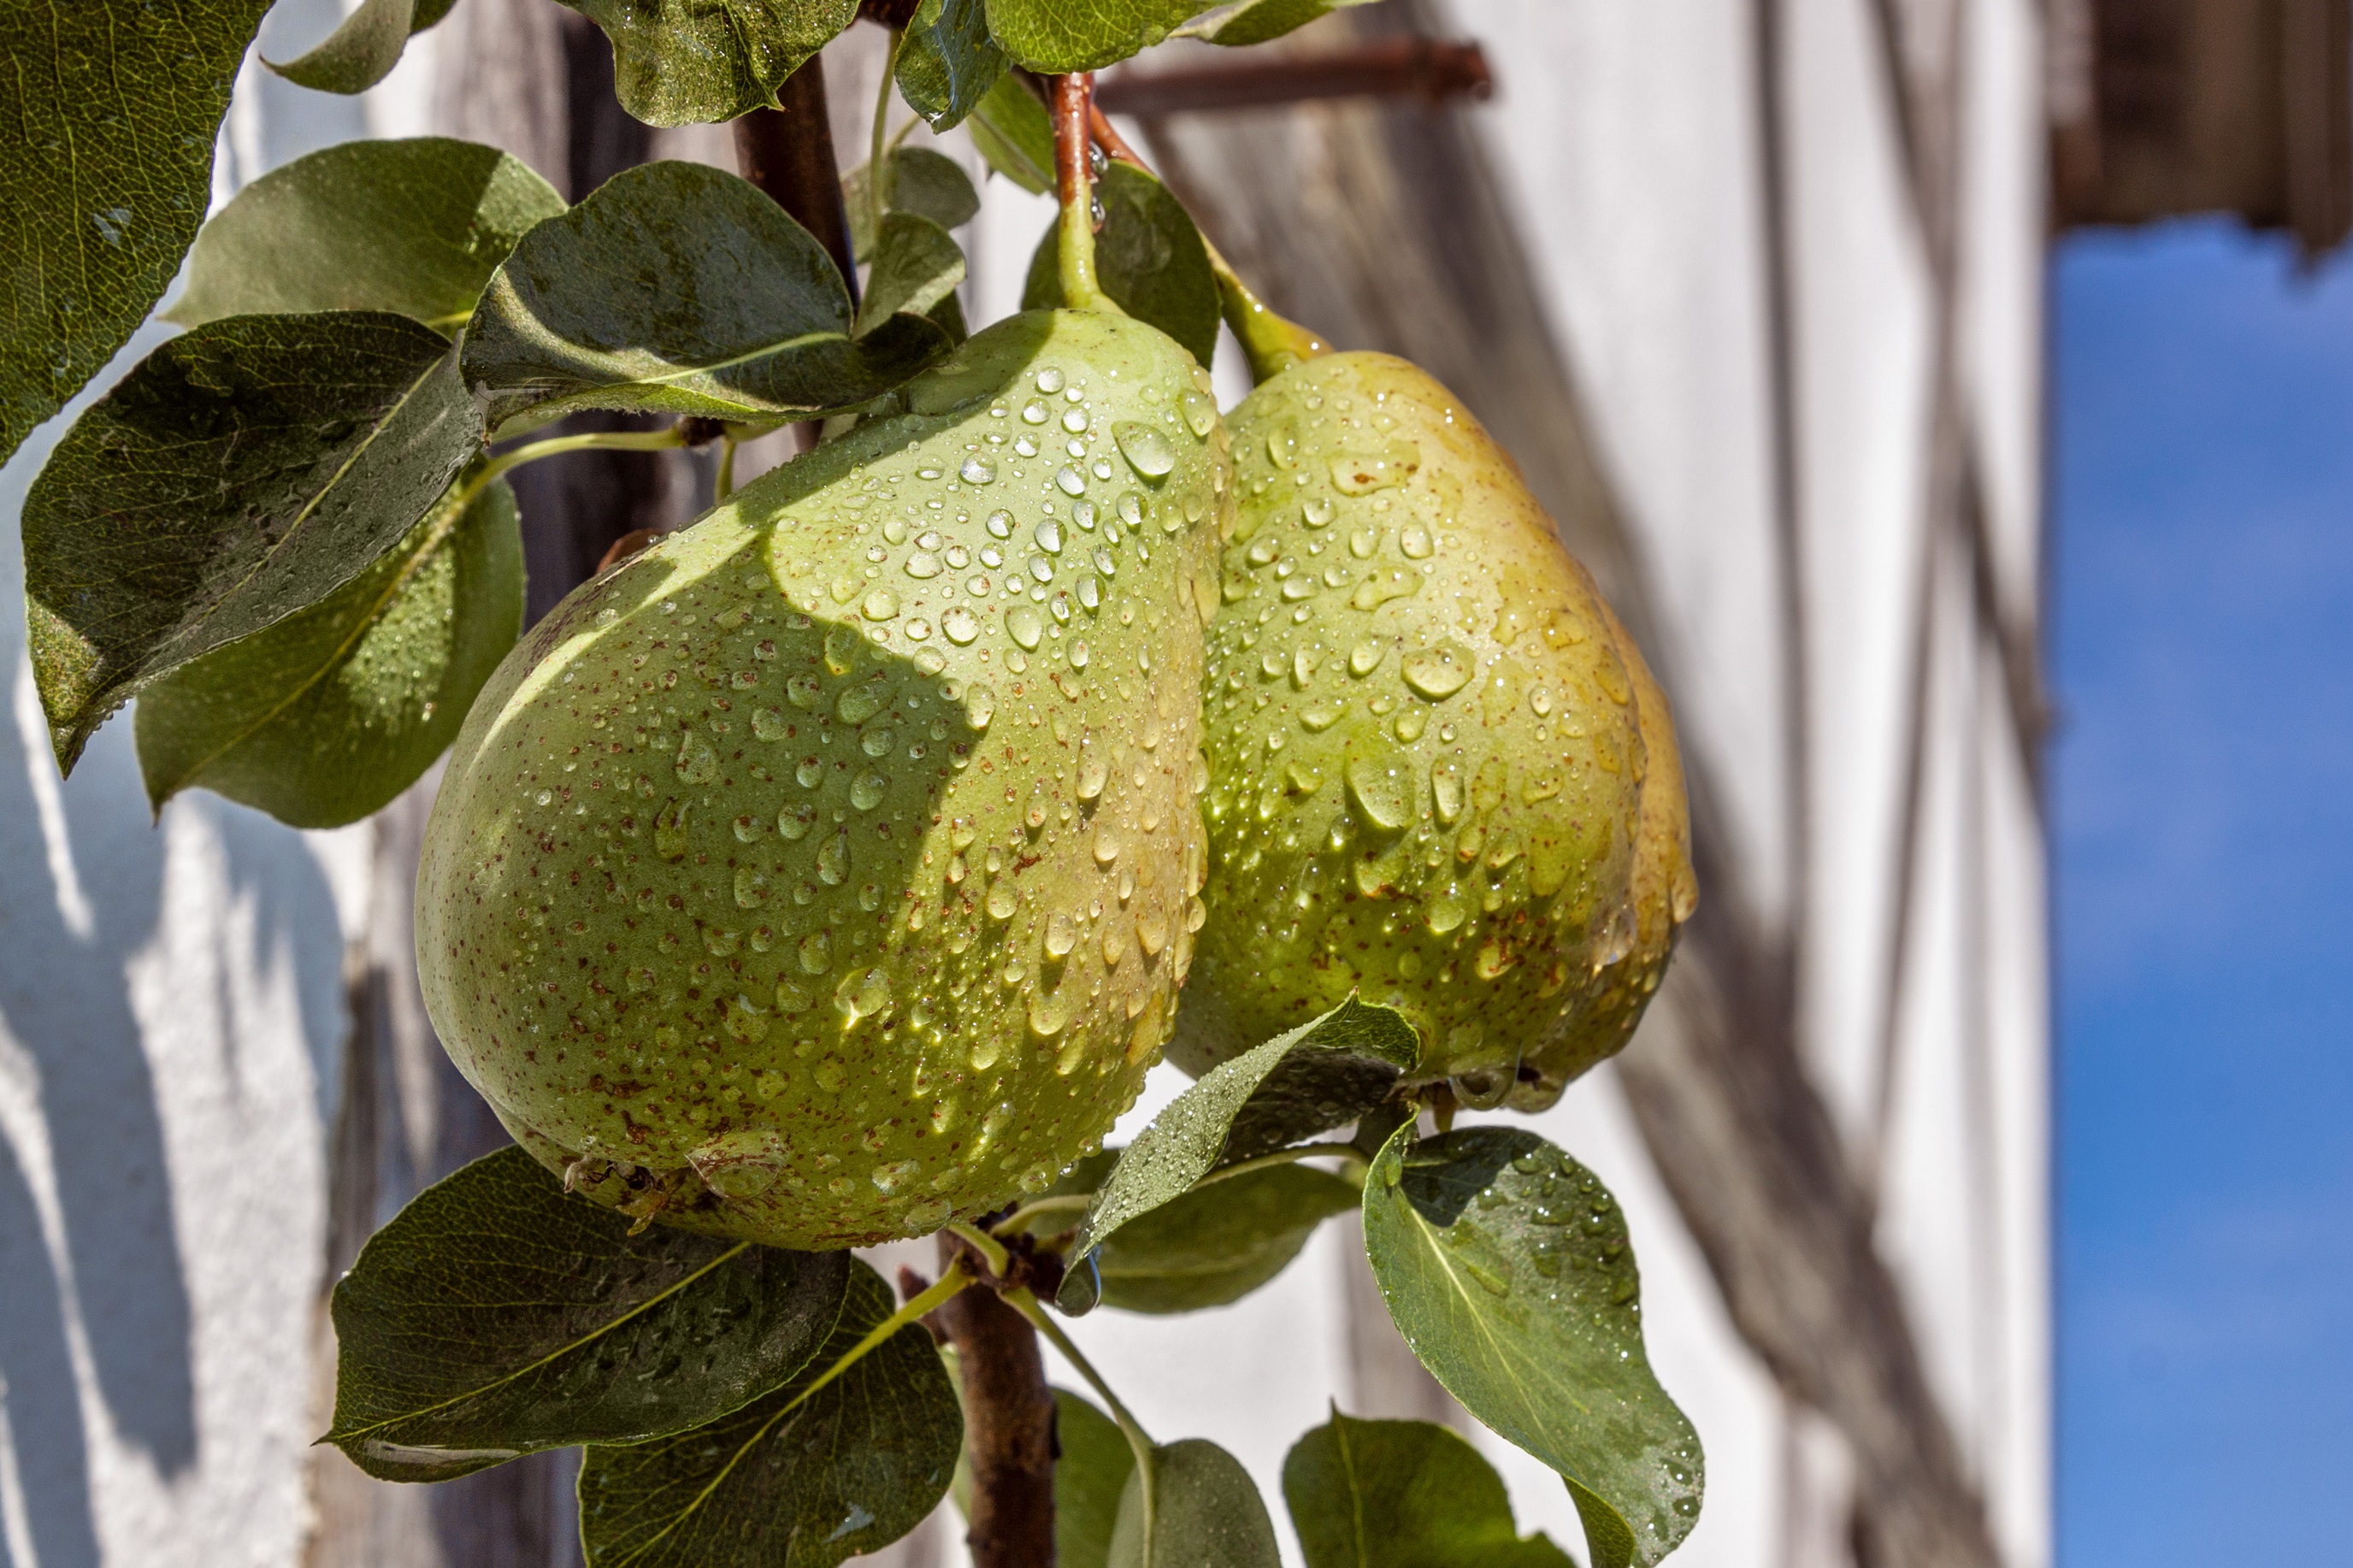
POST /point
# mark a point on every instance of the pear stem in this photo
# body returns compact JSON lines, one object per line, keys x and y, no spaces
{"x":1074,"y":183}
{"x":1272,"y":343}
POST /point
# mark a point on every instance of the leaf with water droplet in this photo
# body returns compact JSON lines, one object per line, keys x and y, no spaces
{"x":1213,"y":1245}
{"x":836,"y":1470}
{"x":1322,"y":1075}
{"x":1150,"y":260}
{"x":1403,"y":1494}
{"x":1535,"y":1327}
{"x":675,"y":63}
{"x":1203,"y":1511}
{"x":498,"y":1316}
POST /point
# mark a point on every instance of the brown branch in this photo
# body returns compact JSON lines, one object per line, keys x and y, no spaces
{"x":787,"y":152}
{"x":1009,"y":1422}
{"x":1427,"y":68}
{"x":1073,"y":98}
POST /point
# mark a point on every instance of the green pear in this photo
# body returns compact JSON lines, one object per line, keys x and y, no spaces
{"x":827,"y":871}
{"x":1441,"y":776}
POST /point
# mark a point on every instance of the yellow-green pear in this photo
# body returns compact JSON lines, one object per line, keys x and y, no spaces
{"x":827,"y":871}
{"x":1441,"y":776}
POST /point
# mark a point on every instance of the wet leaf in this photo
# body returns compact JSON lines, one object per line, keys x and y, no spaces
{"x":795,"y":1478}
{"x":1190,"y":1138}
{"x":947,"y":61}
{"x":1203,"y":1511}
{"x":1014,"y":132}
{"x":1506,"y":1268}
{"x":415,"y":227}
{"x":106,"y":159}
{"x":1256,"y":21}
{"x":241,"y":473}
{"x":1216,"y":1244}
{"x":916,"y":267}
{"x":362,"y":51}
{"x":495,"y":1316}
{"x":323,"y":718}
{"x":927,"y":183}
{"x":680,"y":289}
{"x":1149,"y":257}
{"x":1055,"y":35}
{"x":698,"y":62}
{"x":1403,"y":1494}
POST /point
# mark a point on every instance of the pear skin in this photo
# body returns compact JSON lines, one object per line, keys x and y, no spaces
{"x":827,"y":870}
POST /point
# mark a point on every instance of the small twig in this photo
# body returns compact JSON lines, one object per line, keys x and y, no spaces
{"x":1348,"y":1152}
{"x":1009,"y":1424}
{"x":1073,"y":98}
{"x":987,"y":1245}
{"x":1428,"y":69}
{"x":1017,"y":1222}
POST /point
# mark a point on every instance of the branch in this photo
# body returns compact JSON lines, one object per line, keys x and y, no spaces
{"x":1009,"y":1422}
{"x":1420,"y":68}
{"x":789,"y":152}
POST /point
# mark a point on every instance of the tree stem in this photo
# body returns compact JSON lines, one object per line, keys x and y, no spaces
{"x":789,"y":152}
{"x":1074,"y":184}
{"x":1009,"y":1421}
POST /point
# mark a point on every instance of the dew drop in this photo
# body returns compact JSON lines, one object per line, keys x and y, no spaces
{"x":1070,"y":481}
{"x":1381,"y":792}
{"x":833,"y":860}
{"x":1050,"y":380}
{"x":880,"y":604}
{"x":1438,"y":673}
{"x":976,"y":471}
{"x":1025,"y":626}
{"x":960,"y":624}
{"x":1147,"y":451}
{"x":1201,"y":414}
{"x":922,"y":565}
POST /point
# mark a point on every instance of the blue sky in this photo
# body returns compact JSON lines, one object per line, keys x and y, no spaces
{"x":2203,"y":824}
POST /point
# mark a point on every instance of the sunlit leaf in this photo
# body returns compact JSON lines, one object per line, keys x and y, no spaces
{"x":688,"y":62}
{"x":1014,"y":132}
{"x":1506,"y":1268}
{"x":496,"y":1316}
{"x":362,"y":51}
{"x":1055,"y":35}
{"x":947,"y":61}
{"x":1256,"y":21}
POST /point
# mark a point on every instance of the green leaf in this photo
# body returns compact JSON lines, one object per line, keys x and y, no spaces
{"x":1055,"y":35}
{"x":1014,"y":132}
{"x":1204,"y":1512}
{"x":916,"y":267}
{"x":1090,"y":1479}
{"x":698,"y":62}
{"x":495,"y":1316}
{"x":1149,"y":257}
{"x":363,"y":50}
{"x":927,"y":183}
{"x":106,"y":159}
{"x":680,"y":289}
{"x":1190,"y":1138}
{"x":239,"y":474}
{"x":323,"y":718}
{"x":1256,"y":21}
{"x":1403,"y":1494}
{"x":1216,"y":1244}
{"x":415,"y":227}
{"x":798,"y":1478}
{"x":947,"y":61}
{"x":1506,"y":1268}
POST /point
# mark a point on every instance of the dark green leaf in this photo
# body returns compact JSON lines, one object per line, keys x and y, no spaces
{"x":680,"y":289}
{"x":1256,"y":21}
{"x":321,"y":719}
{"x":927,"y":183}
{"x":947,"y":61}
{"x":795,"y":1478}
{"x":1186,"y":1140}
{"x":1505,"y":1264}
{"x":363,"y":50}
{"x":1090,"y":1479}
{"x":495,"y":1316}
{"x":1403,"y":1494}
{"x":916,"y":267}
{"x":695,"y":62}
{"x":1014,"y":132}
{"x":1149,"y":257}
{"x":1055,"y":35}
{"x":239,"y":474}
{"x":106,"y":159}
{"x":1216,"y":1244}
{"x":415,"y":227}
{"x":1203,"y":1512}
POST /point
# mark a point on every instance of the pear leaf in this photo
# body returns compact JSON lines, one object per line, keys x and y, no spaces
{"x":806,"y":1476}
{"x":675,"y":287}
{"x":239,"y":474}
{"x":363,"y":51}
{"x":1505,"y":1266}
{"x":1014,"y":132}
{"x":1403,"y":1494}
{"x":415,"y":227}
{"x":947,"y":61}
{"x":496,"y":1316}
{"x":1201,"y":1510}
{"x":1192,"y":1137}
{"x":323,"y":718}
{"x":1256,"y":21}
{"x":106,"y":169}
{"x":917,"y":266}
{"x":927,"y":183}
{"x":1149,"y":257}
{"x":699,"y":62}
{"x":1055,"y":35}
{"x":1218,"y":1243}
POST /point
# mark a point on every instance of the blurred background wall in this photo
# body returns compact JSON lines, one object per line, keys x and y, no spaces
{"x":1751,"y":289}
